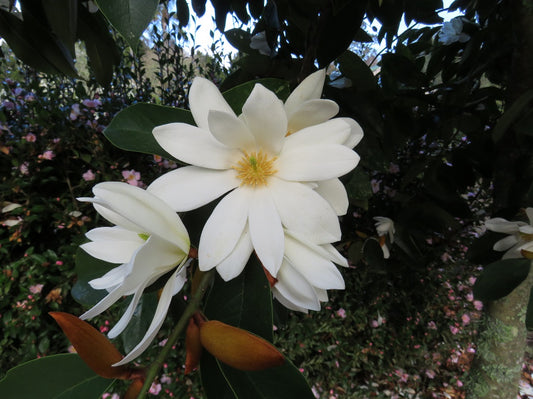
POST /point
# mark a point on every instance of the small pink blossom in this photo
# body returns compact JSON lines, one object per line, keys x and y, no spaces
{"x":24,"y":168}
{"x":466,"y":319}
{"x":132,"y":177}
{"x":432,"y":325}
{"x":454,"y":330}
{"x":478,"y":305}
{"x":155,"y":389}
{"x":92,"y":103}
{"x":36,"y":289}
{"x":469,"y":297}
{"x":341,"y":313}
{"x":74,"y":112}
{"x":30,"y":138}
{"x":89,"y":175}
{"x":375,"y":185}
{"x":48,"y":155}
{"x":472,"y":280}
{"x":165,"y":379}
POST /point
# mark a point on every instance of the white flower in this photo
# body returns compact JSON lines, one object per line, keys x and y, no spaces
{"x":384,"y":227}
{"x":452,"y":31}
{"x":520,"y":235}
{"x":148,"y":240}
{"x":279,"y":162}
{"x":307,"y":271}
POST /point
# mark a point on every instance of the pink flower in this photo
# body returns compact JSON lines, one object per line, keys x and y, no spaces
{"x":341,"y":313}
{"x":92,"y":103}
{"x":24,"y":168}
{"x":466,"y":319}
{"x":430,"y":374}
{"x":132,"y":177}
{"x":478,"y":305}
{"x":374,"y":324}
{"x":48,"y":155}
{"x":432,"y":325}
{"x":375,"y":185}
{"x":165,"y":379}
{"x":88,"y":176}
{"x":155,"y":389}
{"x":454,"y":330}
{"x":469,"y":297}
{"x":36,"y":289}
{"x":30,"y":138}
{"x":74,"y":112}
{"x":471,"y":280}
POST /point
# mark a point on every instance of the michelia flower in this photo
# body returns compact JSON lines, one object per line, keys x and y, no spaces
{"x":452,"y":31}
{"x":279,"y":162}
{"x":148,"y":241}
{"x":384,"y":227}
{"x":307,"y":271}
{"x":520,"y":235}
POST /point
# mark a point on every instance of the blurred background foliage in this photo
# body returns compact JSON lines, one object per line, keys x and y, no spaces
{"x":448,"y":142}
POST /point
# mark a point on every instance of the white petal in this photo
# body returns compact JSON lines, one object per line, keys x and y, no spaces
{"x":191,"y":187}
{"x":335,"y":131}
{"x":266,"y":231}
{"x":235,"y":262}
{"x":295,"y":288}
{"x":173,"y":285}
{"x":312,"y":163}
{"x":204,"y":96}
{"x":526,"y":229}
{"x":505,"y":243}
{"x":305,"y":212}
{"x":151,"y":214}
{"x":356,"y":133}
{"x":223,"y":229}
{"x":529,"y":213}
{"x":335,"y":255}
{"x":104,"y":303}
{"x":112,"y":278}
{"x":386,"y":252}
{"x":319,"y":271}
{"x":285,"y":302}
{"x":128,"y":314}
{"x":513,"y":253}
{"x":112,"y":244}
{"x":230,"y":130}
{"x":310,"y":88}
{"x":326,"y":251}
{"x":333,"y":191}
{"x":194,"y":146}
{"x":311,"y":113}
{"x":500,"y":225}
{"x":265,"y":116}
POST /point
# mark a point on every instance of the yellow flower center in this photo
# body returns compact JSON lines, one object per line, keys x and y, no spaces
{"x":254,"y":168}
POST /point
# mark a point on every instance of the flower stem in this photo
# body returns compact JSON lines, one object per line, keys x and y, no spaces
{"x":191,"y":308}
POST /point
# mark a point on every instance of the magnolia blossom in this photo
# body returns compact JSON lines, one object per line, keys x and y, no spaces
{"x":307,"y":272}
{"x":384,"y":227}
{"x":148,"y":240}
{"x":452,"y":31}
{"x":279,"y":162}
{"x":520,"y":235}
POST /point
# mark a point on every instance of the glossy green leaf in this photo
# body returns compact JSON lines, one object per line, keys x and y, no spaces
{"x":63,"y":376}
{"x":240,"y":39}
{"x":87,"y":269}
{"x":245,"y":302}
{"x":131,"y":129}
{"x":142,"y":317}
{"x":500,"y":278}
{"x":512,"y":115}
{"x":529,"y":314}
{"x":354,"y":68}
{"x":129,"y":17}
{"x":62,"y":16}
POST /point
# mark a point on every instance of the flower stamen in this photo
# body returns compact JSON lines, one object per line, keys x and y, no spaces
{"x":254,"y":168}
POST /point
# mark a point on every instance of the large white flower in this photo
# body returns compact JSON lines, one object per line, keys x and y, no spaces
{"x":307,"y":272}
{"x":520,"y":235}
{"x":148,"y":240}
{"x":452,"y":31}
{"x":279,"y":162}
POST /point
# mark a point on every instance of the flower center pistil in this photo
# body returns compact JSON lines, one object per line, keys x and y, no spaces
{"x":254,"y":168}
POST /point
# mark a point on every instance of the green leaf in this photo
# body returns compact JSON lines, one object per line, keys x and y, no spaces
{"x":87,"y":269}
{"x":129,"y":17}
{"x":62,"y":17}
{"x":358,"y":187}
{"x":511,"y":115}
{"x":529,"y":314}
{"x":142,"y":317}
{"x":236,"y":97}
{"x":63,"y":376}
{"x":245,"y":302}
{"x":240,"y":39}
{"x":131,"y":129}
{"x":500,"y":278}
{"x":373,"y":254}
{"x":354,"y":68}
